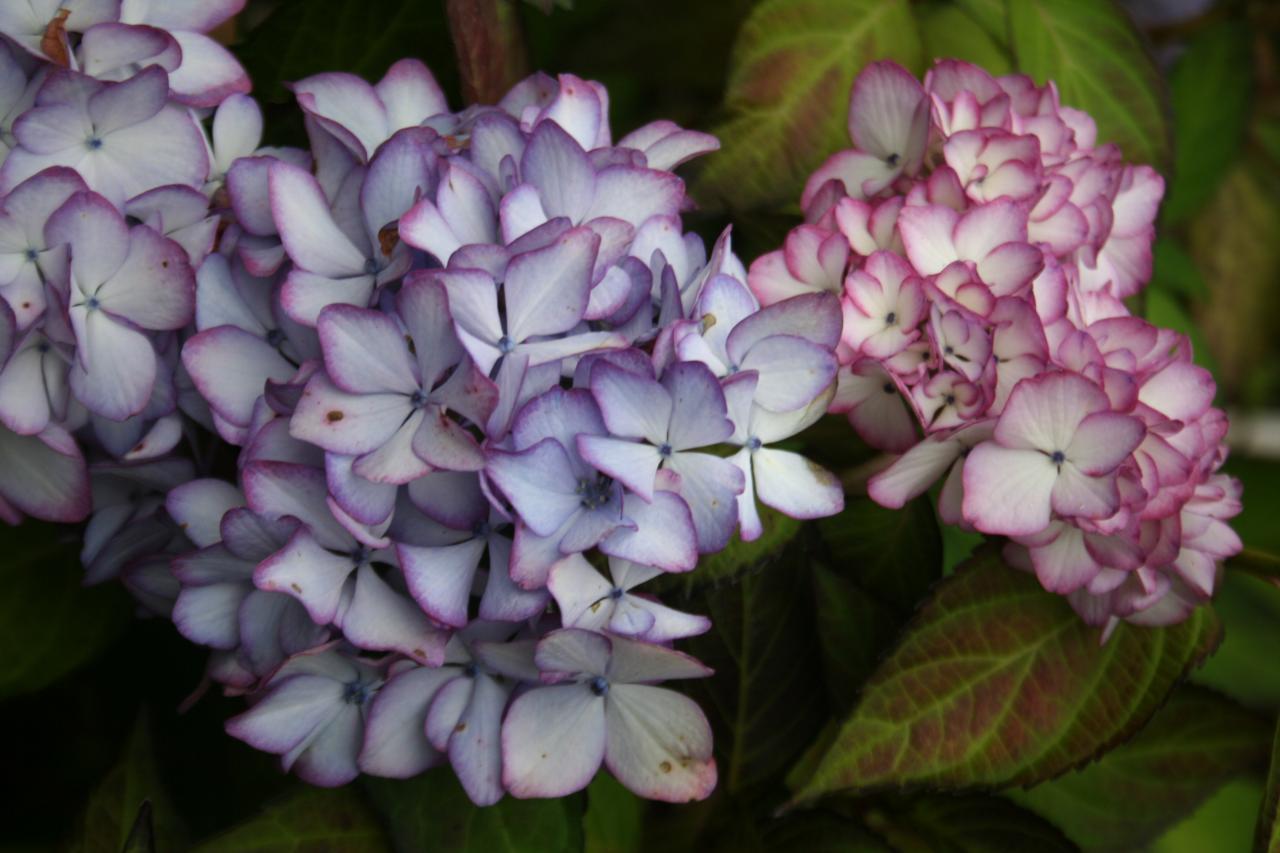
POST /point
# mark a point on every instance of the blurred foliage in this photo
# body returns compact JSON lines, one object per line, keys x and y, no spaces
{"x":816,"y":624}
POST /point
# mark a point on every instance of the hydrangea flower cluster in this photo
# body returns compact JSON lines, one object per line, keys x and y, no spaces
{"x":982,"y":244}
{"x":484,"y":387}
{"x":105,"y":181}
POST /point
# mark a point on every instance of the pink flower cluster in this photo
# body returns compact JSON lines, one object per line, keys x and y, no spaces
{"x":982,"y":244}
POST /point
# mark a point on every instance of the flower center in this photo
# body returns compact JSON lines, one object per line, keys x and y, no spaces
{"x":595,"y":493}
{"x":92,"y":303}
{"x":93,"y":143}
{"x":891,"y":318}
{"x":356,"y":693}
{"x":31,"y":255}
{"x":754,"y":444}
{"x":599,"y":685}
{"x":893,"y":160}
{"x":360,"y":555}
{"x":418,"y":399}
{"x":471,"y":670}
{"x":1057,"y":457}
{"x":372,"y":267}
{"x":617,"y":592}
{"x":888,"y":388}
{"x":506,"y":345}
{"x":665,"y":450}
{"x":275,"y":337}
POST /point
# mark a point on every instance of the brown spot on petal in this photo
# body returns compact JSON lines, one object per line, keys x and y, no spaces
{"x":665,"y":767}
{"x":334,"y":416}
{"x":53,"y":43}
{"x":708,"y":320}
{"x":295,"y":588}
{"x":419,"y":653}
{"x":460,"y":727}
{"x":388,"y":237}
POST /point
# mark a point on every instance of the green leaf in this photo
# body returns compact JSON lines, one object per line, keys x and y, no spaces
{"x":432,"y":812}
{"x":1126,"y":799}
{"x":49,"y":623}
{"x":894,"y":553}
{"x":820,"y":832}
{"x":1091,"y":50}
{"x":1232,"y":240}
{"x":1257,"y":563}
{"x":1175,"y":271}
{"x":950,"y":32}
{"x":1267,"y":835}
{"x":967,"y":824}
{"x":991,"y":15}
{"x":1244,"y":665}
{"x":1225,"y":822}
{"x":132,"y":792}
{"x":998,"y":683}
{"x":737,"y":558}
{"x":854,"y":628}
{"x":614,"y":818}
{"x":765,"y":698}
{"x":788,"y":93}
{"x":335,"y":820}
{"x":1210,"y":90}
{"x":298,"y":38}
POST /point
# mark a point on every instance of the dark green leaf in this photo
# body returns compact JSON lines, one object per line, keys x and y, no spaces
{"x":1244,"y":666}
{"x":820,"y":832}
{"x":432,"y":812}
{"x":1210,"y":91}
{"x":950,"y":32}
{"x":966,"y":824}
{"x":765,"y":699}
{"x":788,"y":93}
{"x":998,"y":682}
{"x":299,"y":38}
{"x":1175,"y":271}
{"x":1224,"y":823}
{"x":1100,"y":65}
{"x":896,"y":554}
{"x":991,"y":15}
{"x":614,"y":818}
{"x":130,"y":793}
{"x":1267,"y":835}
{"x":738,"y":557}
{"x":1257,"y":563}
{"x":335,"y":820}
{"x":1232,"y":240}
{"x":854,"y":629}
{"x":49,"y":623}
{"x":1132,"y":794}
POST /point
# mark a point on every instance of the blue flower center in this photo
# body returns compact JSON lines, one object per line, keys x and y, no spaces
{"x":506,"y":345}
{"x":595,"y":493}
{"x":42,"y":347}
{"x":891,"y":318}
{"x":31,"y":255}
{"x":617,"y":592}
{"x":93,"y":143}
{"x":418,"y":399}
{"x":481,"y":529}
{"x":356,"y":693}
{"x":275,"y":337}
{"x":1057,"y":457}
{"x":361,"y":555}
{"x":599,"y":685}
{"x":471,"y":670}
{"x":754,"y":444}
{"x":92,"y":303}
{"x":665,"y":450}
{"x":372,"y":267}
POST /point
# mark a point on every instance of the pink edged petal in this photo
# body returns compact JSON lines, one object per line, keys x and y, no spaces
{"x":814,"y":317}
{"x":547,"y":290}
{"x":198,"y":507}
{"x":634,"y":464}
{"x":1064,"y":565}
{"x":410,"y":94}
{"x":155,"y":286}
{"x":279,"y":489}
{"x":395,"y":742}
{"x":290,"y":714}
{"x":199,"y":16}
{"x":1104,"y":440}
{"x":979,"y":231}
{"x":581,"y":593}
{"x":793,"y":371}
{"x":1009,"y":268}
{"x":475,"y":751}
{"x":634,"y":195}
{"x":166,"y":149}
{"x":96,"y":233}
{"x":502,"y":599}
{"x":889,"y":113}
{"x":310,"y":573}
{"x":444,"y":443}
{"x":861,"y":174}
{"x":1182,"y":391}
{"x":208,"y":615}
{"x":44,"y":475}
{"x":655,"y":623}
{"x":633,"y":406}
{"x":553,"y":741}
{"x":571,"y":651}
{"x":304,"y":294}
{"x":329,"y":760}
{"x":230,"y":367}
{"x":365,"y":352}
{"x":366,"y":502}
{"x":447,"y":708}
{"x":1043,"y":413}
{"x":347,"y":105}
{"x":381,"y":619}
{"x":441,"y":579}
{"x":424,"y":227}
{"x":1008,"y":491}
{"x":311,"y":237}
{"x":558,"y":168}
{"x":698,"y":416}
{"x":664,"y":534}
{"x":466,"y":205}
{"x":26,"y":406}
{"x":539,"y":482}
{"x":352,"y":424}
{"x":792,"y":484}
{"x":473,"y":304}
{"x":659,"y":744}
{"x":637,"y":662}
{"x":913,"y":473}
{"x":709,"y":486}
{"x":129,"y":102}
{"x":237,"y":129}
{"x":209,"y":72}
{"x":115,"y":369}
{"x":248,"y":190}
{"x":1078,"y":494}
